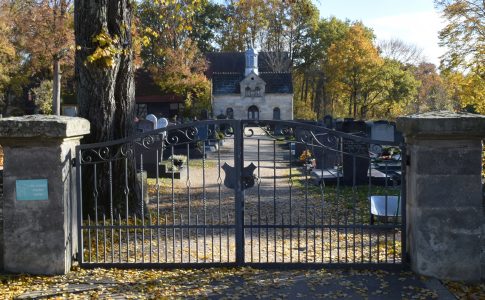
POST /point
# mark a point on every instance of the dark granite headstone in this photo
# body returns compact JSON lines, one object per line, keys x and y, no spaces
{"x":351,"y":126}
{"x":327,"y":156}
{"x":203,"y":132}
{"x":358,"y":152}
{"x":354,"y":149}
{"x":300,"y":144}
{"x":204,"y":115}
{"x":328,"y":121}
{"x":383,"y":131}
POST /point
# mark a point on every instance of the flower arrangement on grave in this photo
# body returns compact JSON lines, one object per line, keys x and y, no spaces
{"x":306,"y":156}
{"x":389,"y":153}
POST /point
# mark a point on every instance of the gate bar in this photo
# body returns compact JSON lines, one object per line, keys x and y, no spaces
{"x":239,"y":163}
{"x":80,"y":256}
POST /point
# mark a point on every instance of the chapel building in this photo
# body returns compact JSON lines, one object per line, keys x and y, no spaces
{"x":251,"y":86}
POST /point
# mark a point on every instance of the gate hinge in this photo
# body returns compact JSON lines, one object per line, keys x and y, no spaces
{"x":73,"y":162}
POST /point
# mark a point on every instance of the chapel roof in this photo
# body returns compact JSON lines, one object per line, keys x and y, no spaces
{"x":226,"y":70}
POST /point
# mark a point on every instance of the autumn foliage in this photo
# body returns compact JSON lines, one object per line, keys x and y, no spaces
{"x":339,"y":67}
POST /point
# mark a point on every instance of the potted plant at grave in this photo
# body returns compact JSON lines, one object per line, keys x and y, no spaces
{"x":305,"y":156}
{"x":220,"y":138}
{"x":178,"y":160}
{"x":307,"y":160}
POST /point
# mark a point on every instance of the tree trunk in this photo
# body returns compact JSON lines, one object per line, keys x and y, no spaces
{"x":105,"y":94}
{"x":56,"y":90}
{"x":324,"y":98}
{"x":306,"y":89}
{"x":350,"y":103}
{"x":319,"y":96}
{"x":302,"y":86}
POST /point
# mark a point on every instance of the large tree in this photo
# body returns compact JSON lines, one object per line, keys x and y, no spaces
{"x":432,"y":93}
{"x":105,"y":87}
{"x":364,"y":82}
{"x":401,"y":51}
{"x":7,"y":52}
{"x":311,"y":81}
{"x":464,"y":37}
{"x":9,"y":62}
{"x":353,"y":64}
{"x":164,"y":25}
{"x":44,"y":36}
{"x":104,"y":67}
{"x":207,"y":24}
{"x":169,"y":53}
{"x":246,"y":25}
{"x":463,"y":34}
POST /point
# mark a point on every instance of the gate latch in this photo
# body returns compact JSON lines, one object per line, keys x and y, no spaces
{"x":248,"y":178}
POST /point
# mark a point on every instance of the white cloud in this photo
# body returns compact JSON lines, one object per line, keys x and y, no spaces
{"x":419,"y":28}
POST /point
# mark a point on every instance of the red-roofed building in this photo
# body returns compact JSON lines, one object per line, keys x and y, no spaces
{"x":150,"y":99}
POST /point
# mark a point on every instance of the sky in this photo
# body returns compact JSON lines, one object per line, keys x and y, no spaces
{"x":413,"y":21}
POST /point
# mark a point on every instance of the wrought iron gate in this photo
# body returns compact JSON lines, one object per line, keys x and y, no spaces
{"x":241,"y":192}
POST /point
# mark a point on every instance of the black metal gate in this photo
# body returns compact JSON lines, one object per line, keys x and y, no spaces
{"x":241,"y":192}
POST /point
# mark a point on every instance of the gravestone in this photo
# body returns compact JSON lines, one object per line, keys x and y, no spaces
{"x":339,"y":123}
{"x":300,"y":133}
{"x":355,"y":150}
{"x":144,"y":126}
{"x":203,"y":133}
{"x":328,"y":121}
{"x":398,"y":136}
{"x":204,"y":115}
{"x":149,"y":156}
{"x":383,"y":131}
{"x":326,"y":157}
{"x":152,"y":119}
{"x":299,"y":145}
{"x":162,"y":123}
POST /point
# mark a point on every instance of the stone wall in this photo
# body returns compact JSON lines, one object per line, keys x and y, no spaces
{"x":266,"y":104}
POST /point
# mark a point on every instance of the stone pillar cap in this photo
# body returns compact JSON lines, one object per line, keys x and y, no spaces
{"x":43,"y":126}
{"x":442,"y":124}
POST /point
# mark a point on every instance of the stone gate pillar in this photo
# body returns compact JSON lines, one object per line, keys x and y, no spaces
{"x":39,"y":207}
{"x":445,"y":208}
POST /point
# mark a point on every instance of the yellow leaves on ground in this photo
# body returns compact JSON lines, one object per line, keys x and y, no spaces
{"x":466,"y":291}
{"x":227,"y":283}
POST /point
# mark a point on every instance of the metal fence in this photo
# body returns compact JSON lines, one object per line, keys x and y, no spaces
{"x":232,"y":192}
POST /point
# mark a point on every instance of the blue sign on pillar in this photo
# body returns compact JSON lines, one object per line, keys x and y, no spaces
{"x":31,"y":189}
